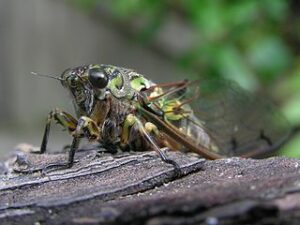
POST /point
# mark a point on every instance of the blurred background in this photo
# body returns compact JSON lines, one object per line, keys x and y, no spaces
{"x":254,"y":42}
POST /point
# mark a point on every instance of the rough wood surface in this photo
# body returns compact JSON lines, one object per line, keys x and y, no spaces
{"x":138,"y":188}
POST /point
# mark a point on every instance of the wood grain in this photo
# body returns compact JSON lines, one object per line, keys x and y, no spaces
{"x":138,"y":188}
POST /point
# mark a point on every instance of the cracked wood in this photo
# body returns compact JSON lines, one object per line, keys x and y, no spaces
{"x":138,"y":188}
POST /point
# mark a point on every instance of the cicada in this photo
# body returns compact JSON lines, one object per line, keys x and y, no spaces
{"x":118,"y":107}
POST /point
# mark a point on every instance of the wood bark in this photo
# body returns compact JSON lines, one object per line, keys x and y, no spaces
{"x":138,"y":188}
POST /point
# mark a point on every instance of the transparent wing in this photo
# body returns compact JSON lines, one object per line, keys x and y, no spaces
{"x":224,"y":118}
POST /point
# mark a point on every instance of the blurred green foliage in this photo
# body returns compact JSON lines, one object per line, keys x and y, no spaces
{"x":255,"y":42}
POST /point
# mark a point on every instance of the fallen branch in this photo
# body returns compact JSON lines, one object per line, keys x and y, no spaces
{"x":138,"y":188}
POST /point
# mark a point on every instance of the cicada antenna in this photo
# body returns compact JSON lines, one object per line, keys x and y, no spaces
{"x":45,"y":75}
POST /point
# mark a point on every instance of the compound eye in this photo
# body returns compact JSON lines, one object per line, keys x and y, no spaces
{"x":73,"y":81}
{"x":98,"y":78}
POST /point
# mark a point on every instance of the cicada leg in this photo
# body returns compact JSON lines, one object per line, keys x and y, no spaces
{"x":169,"y":84}
{"x":163,"y":138}
{"x":174,"y":88}
{"x":84,"y":127}
{"x":147,"y":131}
{"x":60,"y":117}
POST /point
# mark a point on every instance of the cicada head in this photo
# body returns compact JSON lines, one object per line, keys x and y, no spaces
{"x":90,"y":83}
{"x":85,"y":83}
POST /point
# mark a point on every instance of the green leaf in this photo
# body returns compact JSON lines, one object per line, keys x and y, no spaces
{"x":207,"y":17}
{"x":290,"y":85}
{"x":292,"y":149}
{"x":292,"y":109}
{"x":269,"y":56}
{"x":275,"y":9}
{"x":231,"y":66}
{"x":241,"y":13}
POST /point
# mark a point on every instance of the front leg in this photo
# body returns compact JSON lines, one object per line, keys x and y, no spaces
{"x":63,"y":118}
{"x":86,"y":127}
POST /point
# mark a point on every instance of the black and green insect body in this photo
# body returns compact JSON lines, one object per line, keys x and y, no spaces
{"x":119,"y":107}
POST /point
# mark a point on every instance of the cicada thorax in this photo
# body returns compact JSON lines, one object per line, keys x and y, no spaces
{"x":174,"y":110}
{"x":119,"y":100}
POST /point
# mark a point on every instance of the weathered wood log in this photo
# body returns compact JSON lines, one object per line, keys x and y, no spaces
{"x":138,"y":188}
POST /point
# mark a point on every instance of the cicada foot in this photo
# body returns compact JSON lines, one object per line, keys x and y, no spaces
{"x":55,"y":167}
{"x":84,"y":127}
{"x":150,"y":132}
{"x":177,"y":170}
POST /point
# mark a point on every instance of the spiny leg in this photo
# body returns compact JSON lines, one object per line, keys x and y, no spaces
{"x":86,"y":127}
{"x":62,"y":118}
{"x":64,"y":165}
{"x":156,"y":96}
{"x":177,"y":87}
{"x":168,"y":85}
{"x":132,"y":120}
{"x":152,"y":130}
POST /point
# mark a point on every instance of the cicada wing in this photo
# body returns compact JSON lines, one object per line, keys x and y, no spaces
{"x":237,"y":121}
{"x":229,"y":120}
{"x":177,"y":135}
